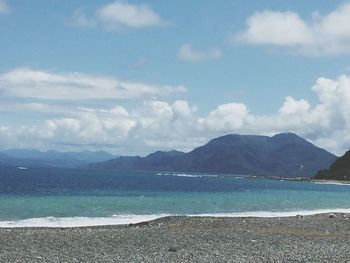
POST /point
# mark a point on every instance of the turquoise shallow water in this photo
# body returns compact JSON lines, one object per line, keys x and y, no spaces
{"x":13,"y":208}
{"x":44,"y":193}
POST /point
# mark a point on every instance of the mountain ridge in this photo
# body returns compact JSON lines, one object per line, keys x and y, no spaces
{"x":339,"y":170}
{"x":36,"y":158}
{"x":284,"y":154}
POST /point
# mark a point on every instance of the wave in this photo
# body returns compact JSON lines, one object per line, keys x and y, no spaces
{"x":187,"y":175}
{"x":68,"y":222}
{"x":79,"y":221}
{"x":275,"y":214}
{"x":194,"y":175}
{"x":332,"y":183}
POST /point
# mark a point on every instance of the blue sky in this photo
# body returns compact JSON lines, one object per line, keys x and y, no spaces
{"x":225,"y":66}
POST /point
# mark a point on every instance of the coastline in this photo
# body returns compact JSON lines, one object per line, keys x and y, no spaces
{"x":315,"y":238}
{"x":120,"y":220}
{"x":335,"y":182}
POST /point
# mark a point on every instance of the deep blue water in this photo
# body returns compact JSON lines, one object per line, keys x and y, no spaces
{"x":36,"y":193}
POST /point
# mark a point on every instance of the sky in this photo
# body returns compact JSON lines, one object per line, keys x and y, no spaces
{"x":131,"y":77}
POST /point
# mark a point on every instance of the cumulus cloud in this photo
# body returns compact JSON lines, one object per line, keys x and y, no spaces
{"x":4,"y":8}
{"x":188,"y":54}
{"x":227,"y":117}
{"x":276,"y":28}
{"x":119,"y":15}
{"x":292,"y":106}
{"x":157,"y":124}
{"x":38,"y":84}
{"x":318,"y":35}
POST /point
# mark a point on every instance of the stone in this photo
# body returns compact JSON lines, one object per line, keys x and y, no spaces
{"x":172,"y":249}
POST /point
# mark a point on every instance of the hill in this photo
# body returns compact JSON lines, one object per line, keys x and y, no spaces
{"x":284,"y":154}
{"x":339,"y":170}
{"x":35,"y":158}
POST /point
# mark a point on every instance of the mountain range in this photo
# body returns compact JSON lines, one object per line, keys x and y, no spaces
{"x":284,"y":154}
{"x":35,"y":158}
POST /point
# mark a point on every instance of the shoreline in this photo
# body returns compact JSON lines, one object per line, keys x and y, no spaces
{"x":124,"y":220}
{"x":315,"y":238}
{"x":334,"y":182}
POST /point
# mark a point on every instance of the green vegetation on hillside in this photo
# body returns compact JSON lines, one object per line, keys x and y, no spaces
{"x":339,"y":170}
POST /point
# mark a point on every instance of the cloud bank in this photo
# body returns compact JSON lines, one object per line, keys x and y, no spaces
{"x":319,"y":35}
{"x":158,"y":124}
{"x":120,"y":15}
{"x":39,"y":84}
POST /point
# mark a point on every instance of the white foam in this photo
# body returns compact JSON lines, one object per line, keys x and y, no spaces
{"x":79,"y":221}
{"x":194,"y":175}
{"x":276,"y":214}
{"x":187,"y":175}
{"x":133,"y":219}
{"x":332,"y":183}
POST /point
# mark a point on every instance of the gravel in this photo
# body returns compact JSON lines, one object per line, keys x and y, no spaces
{"x":318,"y":238}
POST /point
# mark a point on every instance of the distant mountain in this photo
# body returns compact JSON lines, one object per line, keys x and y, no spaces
{"x":5,"y":159}
{"x":24,"y":157}
{"x":155,"y":161}
{"x":284,"y":154}
{"x":339,"y":170}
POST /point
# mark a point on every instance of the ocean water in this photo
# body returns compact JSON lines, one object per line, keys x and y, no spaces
{"x":59,"y":197}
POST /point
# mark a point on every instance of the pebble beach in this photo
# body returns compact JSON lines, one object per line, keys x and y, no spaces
{"x":317,"y":238}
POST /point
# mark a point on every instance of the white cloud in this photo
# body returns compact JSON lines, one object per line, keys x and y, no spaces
{"x":162,"y":125}
{"x":182,"y":108}
{"x":319,"y":35}
{"x":227,"y":117}
{"x":188,"y":54}
{"x":119,"y":15}
{"x":4,"y":8}
{"x":80,"y":19}
{"x":38,"y":84}
{"x":292,"y":106}
{"x":276,"y":28}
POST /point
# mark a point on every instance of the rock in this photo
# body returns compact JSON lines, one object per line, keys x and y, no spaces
{"x":172,"y":249}
{"x":141,"y":224}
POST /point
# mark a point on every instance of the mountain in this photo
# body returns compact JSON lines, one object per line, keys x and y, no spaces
{"x":284,"y":154}
{"x":339,"y":170}
{"x":5,"y":159}
{"x":155,"y":161}
{"x":24,"y":157}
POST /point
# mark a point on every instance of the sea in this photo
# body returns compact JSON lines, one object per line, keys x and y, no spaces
{"x":42,"y":197}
